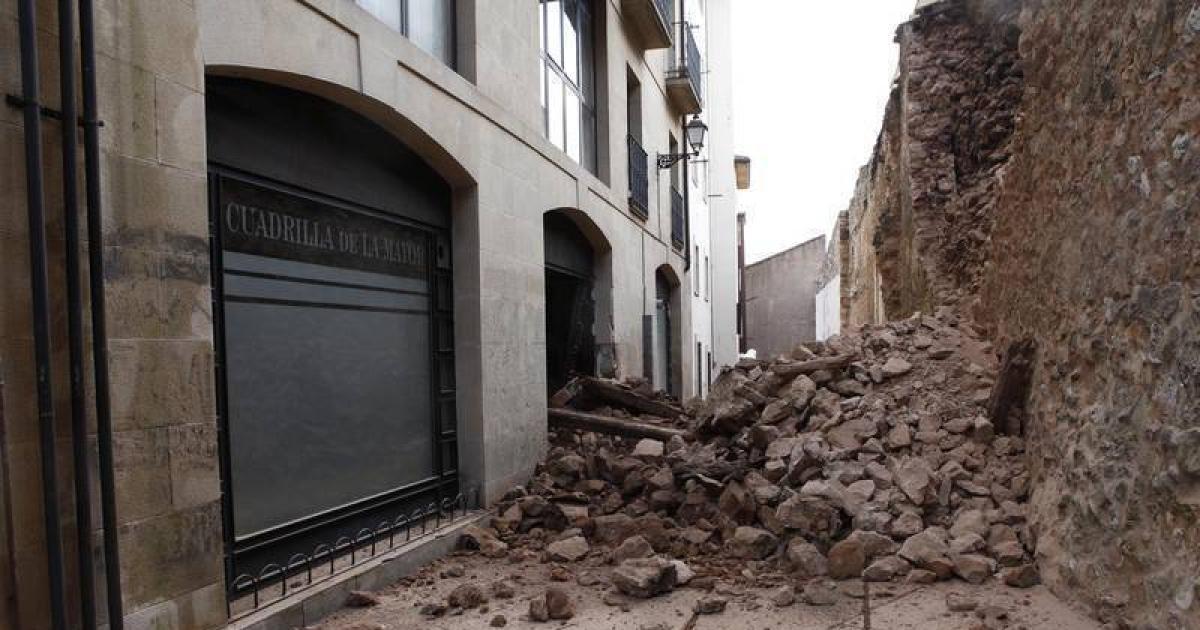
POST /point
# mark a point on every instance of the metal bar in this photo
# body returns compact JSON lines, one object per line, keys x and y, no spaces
{"x":79,"y":425}
{"x":39,"y":285}
{"x":95,"y":236}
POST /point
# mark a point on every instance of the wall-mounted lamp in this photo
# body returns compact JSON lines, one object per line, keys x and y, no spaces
{"x":695,"y":130}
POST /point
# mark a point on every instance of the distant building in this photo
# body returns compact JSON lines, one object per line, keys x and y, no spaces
{"x":830,"y":296}
{"x":780,"y":298}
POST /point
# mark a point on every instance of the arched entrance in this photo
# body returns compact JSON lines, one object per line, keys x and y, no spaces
{"x":576,"y":302}
{"x":334,"y":321}
{"x":666,"y":363}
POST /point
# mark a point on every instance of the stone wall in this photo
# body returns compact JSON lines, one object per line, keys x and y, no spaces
{"x":1039,"y":170}
{"x":921,"y":211}
{"x":1096,"y":256}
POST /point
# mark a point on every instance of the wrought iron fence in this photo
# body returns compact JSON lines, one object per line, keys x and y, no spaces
{"x":677,"y":217}
{"x":301,"y":571}
{"x":639,"y":179}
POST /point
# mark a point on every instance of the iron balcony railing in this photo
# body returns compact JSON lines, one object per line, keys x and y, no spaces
{"x":639,"y":179}
{"x":676,"y":218}
{"x":666,"y":10}
{"x":687,"y":59}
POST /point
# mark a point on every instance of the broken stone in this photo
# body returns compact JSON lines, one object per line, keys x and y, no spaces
{"x":499,"y":621}
{"x":886,"y":569}
{"x":538,"y":611}
{"x":973,"y":568}
{"x":361,"y":599}
{"x":753,"y":543}
{"x":812,"y":515}
{"x":783,"y":596}
{"x":710,"y":605}
{"x":818,"y":594}
{"x":466,"y":596}
{"x":896,"y":366}
{"x":633,"y":547}
{"x":648,"y":449}
{"x":1024,"y":576}
{"x":929,"y":550}
{"x":846,"y":559}
{"x":957,"y":602}
{"x":645,"y":577}
{"x":568,"y":550}
{"x":503,"y":590}
{"x":805,"y":559}
{"x":915,"y":478}
{"x":558,"y":603}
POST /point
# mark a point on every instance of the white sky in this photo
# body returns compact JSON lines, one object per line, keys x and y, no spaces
{"x":811,"y":79}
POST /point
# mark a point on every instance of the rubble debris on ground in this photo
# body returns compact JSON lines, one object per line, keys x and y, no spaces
{"x":866,"y":457}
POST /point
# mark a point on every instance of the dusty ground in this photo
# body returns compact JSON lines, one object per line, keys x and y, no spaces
{"x":894,"y":606}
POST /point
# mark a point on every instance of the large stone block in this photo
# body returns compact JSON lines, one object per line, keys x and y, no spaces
{"x":170,"y":555}
{"x":147,"y":206}
{"x":142,"y":466}
{"x":195,"y":468}
{"x":161,"y":383}
{"x":179,"y":117}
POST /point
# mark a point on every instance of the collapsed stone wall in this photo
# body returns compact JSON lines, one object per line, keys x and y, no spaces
{"x":1095,"y":256}
{"x":922,"y":209}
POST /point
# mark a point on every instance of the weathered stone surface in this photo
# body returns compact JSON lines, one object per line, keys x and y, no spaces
{"x":710,"y":605}
{"x":558,"y":603}
{"x":633,"y":547}
{"x":818,"y":594}
{"x":753,"y":543}
{"x":886,"y":569}
{"x":1024,"y":576}
{"x":568,"y":550}
{"x":805,"y":559}
{"x":972,"y":568}
{"x":467,"y":595}
{"x":929,"y":550}
{"x":645,"y":577}
{"x":846,"y":559}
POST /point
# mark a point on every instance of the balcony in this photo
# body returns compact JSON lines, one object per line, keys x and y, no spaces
{"x":650,"y":20}
{"x":683,"y":78}
{"x":639,"y":179}
{"x":677,"y":219}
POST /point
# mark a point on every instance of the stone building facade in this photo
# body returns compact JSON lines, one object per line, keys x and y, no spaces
{"x":467,"y":164}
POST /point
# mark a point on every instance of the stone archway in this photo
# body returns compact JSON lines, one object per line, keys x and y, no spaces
{"x":578,"y":293}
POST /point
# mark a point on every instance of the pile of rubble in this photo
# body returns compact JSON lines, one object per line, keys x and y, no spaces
{"x":868,"y":456}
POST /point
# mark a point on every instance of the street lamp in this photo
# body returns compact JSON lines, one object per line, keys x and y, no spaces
{"x":694,"y":130}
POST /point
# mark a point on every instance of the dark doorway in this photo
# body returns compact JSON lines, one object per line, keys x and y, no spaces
{"x":333,"y":311}
{"x":570,"y":308}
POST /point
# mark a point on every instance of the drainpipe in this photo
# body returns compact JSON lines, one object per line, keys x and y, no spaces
{"x":79,"y":426}
{"x":687,"y":204}
{"x":95,"y":230}
{"x":41,"y":306}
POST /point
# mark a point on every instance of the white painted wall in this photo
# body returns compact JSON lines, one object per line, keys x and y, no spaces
{"x":829,"y":312}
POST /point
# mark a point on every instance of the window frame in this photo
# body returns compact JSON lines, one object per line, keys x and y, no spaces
{"x":585,"y":149}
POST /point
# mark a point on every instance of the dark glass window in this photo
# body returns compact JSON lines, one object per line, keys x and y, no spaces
{"x":428,"y":23}
{"x":569,"y":78}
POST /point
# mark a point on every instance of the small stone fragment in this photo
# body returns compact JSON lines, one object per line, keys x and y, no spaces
{"x":499,"y":621}
{"x":466,"y":596}
{"x":361,"y":599}
{"x":1024,"y":576}
{"x":783,"y":596}
{"x":559,"y":604}
{"x":710,"y":605}
{"x":957,"y":602}
{"x":568,"y":550}
{"x":818,"y":594}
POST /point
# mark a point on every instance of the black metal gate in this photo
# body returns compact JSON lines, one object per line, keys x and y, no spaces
{"x":334,"y":327}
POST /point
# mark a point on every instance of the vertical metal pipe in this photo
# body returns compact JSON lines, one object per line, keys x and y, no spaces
{"x":79,"y":425}
{"x":39,"y":285}
{"x":95,"y":230}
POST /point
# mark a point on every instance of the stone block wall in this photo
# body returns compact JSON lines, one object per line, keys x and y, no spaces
{"x":154,"y":200}
{"x":1096,"y":256}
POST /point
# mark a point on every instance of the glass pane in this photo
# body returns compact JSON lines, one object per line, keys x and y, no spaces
{"x":431,"y":26}
{"x":573,"y":114}
{"x":386,"y":11}
{"x":555,"y":114}
{"x":570,"y":35}
{"x":554,"y":30}
{"x":588,"y":54}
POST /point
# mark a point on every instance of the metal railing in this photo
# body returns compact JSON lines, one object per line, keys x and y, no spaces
{"x":666,"y":10}
{"x":639,"y":179}
{"x":277,"y":580}
{"x":687,"y":61}
{"x":677,"y":223}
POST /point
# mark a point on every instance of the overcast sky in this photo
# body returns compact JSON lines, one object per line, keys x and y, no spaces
{"x":811,"y":80}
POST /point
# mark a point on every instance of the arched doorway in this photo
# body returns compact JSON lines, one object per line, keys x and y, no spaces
{"x":576,"y":299}
{"x":666,"y":324}
{"x":333,"y":309}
